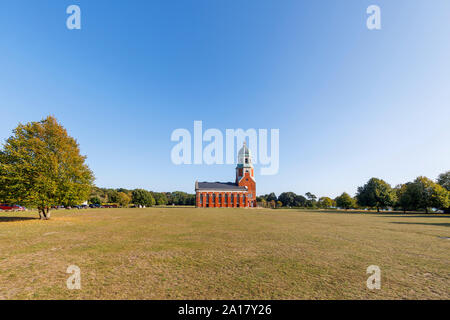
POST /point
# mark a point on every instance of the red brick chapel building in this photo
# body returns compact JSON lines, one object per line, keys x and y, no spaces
{"x":240,"y":194}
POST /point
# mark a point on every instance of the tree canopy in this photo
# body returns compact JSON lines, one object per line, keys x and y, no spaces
{"x":142,"y":197}
{"x":345,"y":201}
{"x":376,"y":193}
{"x":326,"y":202}
{"x":444,"y":180}
{"x":41,"y":166}
{"x":429,"y":194}
{"x":123,"y":199}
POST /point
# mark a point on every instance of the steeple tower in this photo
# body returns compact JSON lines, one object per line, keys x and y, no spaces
{"x":245,"y":174}
{"x":244,"y":164}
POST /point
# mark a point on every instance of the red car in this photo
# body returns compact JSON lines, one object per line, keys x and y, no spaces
{"x":7,"y":207}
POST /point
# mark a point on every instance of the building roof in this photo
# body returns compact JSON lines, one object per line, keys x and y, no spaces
{"x":244,"y":157}
{"x":245,"y":151}
{"x":221,"y":186}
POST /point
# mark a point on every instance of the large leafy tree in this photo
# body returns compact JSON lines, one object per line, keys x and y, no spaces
{"x":123,"y":199}
{"x":376,"y":193}
{"x":142,"y":197}
{"x":41,"y":167}
{"x":160,"y":198}
{"x":326,"y":202}
{"x":407,"y":196}
{"x":430,"y":195}
{"x":422,"y":194}
{"x":287,"y":198}
{"x":345,"y":201}
{"x":299,"y":201}
{"x":311,"y":200}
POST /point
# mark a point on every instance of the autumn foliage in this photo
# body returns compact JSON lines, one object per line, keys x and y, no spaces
{"x":41,"y":167}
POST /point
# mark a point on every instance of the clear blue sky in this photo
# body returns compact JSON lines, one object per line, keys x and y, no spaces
{"x":350,"y":103}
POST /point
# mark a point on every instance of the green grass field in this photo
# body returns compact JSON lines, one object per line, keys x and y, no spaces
{"x":187,"y":253}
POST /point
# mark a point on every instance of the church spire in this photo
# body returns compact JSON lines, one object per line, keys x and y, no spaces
{"x":244,"y":164}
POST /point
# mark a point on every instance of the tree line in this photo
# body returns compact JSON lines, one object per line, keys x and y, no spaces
{"x":140,"y":197}
{"x":422,"y":194}
{"x":41,"y":167}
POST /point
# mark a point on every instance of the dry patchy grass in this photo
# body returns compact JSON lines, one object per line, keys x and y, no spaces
{"x":187,"y":253}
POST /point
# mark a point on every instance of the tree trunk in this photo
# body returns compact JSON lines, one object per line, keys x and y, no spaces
{"x":44,"y":213}
{"x":426,"y":210}
{"x":47,"y":213}
{"x":378,"y":209}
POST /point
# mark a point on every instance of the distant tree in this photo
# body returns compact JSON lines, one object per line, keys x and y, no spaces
{"x":142,"y":197}
{"x":345,"y":201}
{"x":444,"y":180}
{"x":123,"y":199}
{"x":310,"y":196}
{"x":180,"y":198}
{"x":326,"y":202}
{"x":299,"y":201}
{"x":430,"y":194}
{"x":287,"y":198}
{"x":262,"y":202}
{"x":311,"y":202}
{"x":41,"y":167}
{"x":407,"y":196}
{"x":272,"y":204}
{"x":271,"y":197}
{"x":100,"y":193}
{"x":124,"y":190}
{"x":112,"y":196}
{"x":95,"y":200}
{"x":160,"y":198}
{"x":376,"y":193}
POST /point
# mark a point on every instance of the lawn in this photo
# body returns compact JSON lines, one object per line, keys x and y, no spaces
{"x":187,"y":253}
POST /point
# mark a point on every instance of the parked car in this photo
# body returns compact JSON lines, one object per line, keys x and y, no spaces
{"x":6,"y":207}
{"x":110,"y":206}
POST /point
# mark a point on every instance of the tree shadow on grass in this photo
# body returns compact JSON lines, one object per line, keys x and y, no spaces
{"x":14,"y":219}
{"x":430,"y":215}
{"x":425,"y":224}
{"x":388,"y":214}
